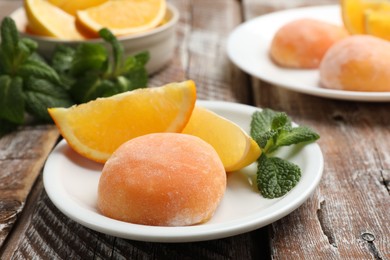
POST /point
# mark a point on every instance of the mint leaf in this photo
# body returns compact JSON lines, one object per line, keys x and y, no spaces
{"x":38,"y":69}
{"x":142,"y":58}
{"x":271,"y":130}
{"x":276,"y":177}
{"x":9,"y":42}
{"x":266,"y":139}
{"x":61,"y":62}
{"x":137,"y":61}
{"x":41,"y":94}
{"x":13,"y":51}
{"x":262,"y":122}
{"x":31,"y":45}
{"x":9,"y":35}
{"x":88,"y":72}
{"x":133,"y":67}
{"x":265,"y":125}
{"x":27,"y":82}
{"x":83,"y":89}
{"x":121,"y":84}
{"x":261,"y":127}
{"x":89,"y":58}
{"x":280,"y":120}
{"x":11,"y":99}
{"x":92,"y":87}
{"x":106,"y":88}
{"x":121,"y":76}
{"x":62,"y":59}
{"x":135,"y":71}
{"x":296,"y":135}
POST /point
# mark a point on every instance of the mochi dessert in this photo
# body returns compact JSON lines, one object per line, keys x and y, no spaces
{"x":162,"y":179}
{"x":357,"y":63}
{"x":302,"y":43}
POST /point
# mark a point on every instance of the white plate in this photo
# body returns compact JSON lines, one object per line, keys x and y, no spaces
{"x":249,"y":43}
{"x":71,"y":183}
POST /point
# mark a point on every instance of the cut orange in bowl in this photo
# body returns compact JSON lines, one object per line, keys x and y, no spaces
{"x":97,"y":128}
{"x":233,"y":145}
{"x":353,"y":13}
{"x":123,"y":17}
{"x":72,"y":7}
{"x":46,"y":19}
{"x":377,"y":23}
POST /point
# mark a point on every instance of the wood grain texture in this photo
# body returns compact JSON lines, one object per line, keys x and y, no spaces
{"x":22,"y":155}
{"x":348,"y":216}
{"x":51,"y":234}
{"x":352,"y":200}
{"x":201,"y":51}
{"x":42,"y":231}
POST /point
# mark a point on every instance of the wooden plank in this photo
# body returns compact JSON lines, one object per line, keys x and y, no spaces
{"x":347,"y":217}
{"x":201,"y":51}
{"x":42,"y":239}
{"x":22,"y":154}
{"x":43,"y":231}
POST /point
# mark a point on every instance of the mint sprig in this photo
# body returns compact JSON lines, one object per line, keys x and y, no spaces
{"x":91,"y":73}
{"x":272,"y":130}
{"x":22,"y":71}
{"x":29,"y":83}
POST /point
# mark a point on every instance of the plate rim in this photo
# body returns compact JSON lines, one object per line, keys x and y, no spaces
{"x":165,"y":234}
{"x":313,"y":90}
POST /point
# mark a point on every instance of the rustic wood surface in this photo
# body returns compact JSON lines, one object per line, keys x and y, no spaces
{"x":347,"y":217}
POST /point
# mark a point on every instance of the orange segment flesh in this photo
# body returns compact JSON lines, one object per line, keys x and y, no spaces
{"x":46,"y":19}
{"x":233,"y":145}
{"x":97,"y":128}
{"x":377,"y":23}
{"x":72,"y":7}
{"x":353,"y":13}
{"x":123,"y":17}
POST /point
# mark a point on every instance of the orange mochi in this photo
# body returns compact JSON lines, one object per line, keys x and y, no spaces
{"x":302,"y":43}
{"x":357,"y":63}
{"x":162,"y":179}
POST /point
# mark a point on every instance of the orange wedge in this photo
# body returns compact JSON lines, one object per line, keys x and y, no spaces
{"x":72,"y":7}
{"x":97,"y":128}
{"x":46,"y":19}
{"x":353,"y":13}
{"x":123,"y":17}
{"x":377,"y":23}
{"x":233,"y":145}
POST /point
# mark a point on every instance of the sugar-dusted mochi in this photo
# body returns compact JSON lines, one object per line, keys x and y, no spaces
{"x":302,"y":43}
{"x":357,"y":63}
{"x":162,"y":179}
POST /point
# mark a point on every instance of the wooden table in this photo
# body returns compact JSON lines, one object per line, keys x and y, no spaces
{"x":347,"y":217}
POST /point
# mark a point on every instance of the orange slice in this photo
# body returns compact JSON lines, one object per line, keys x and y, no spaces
{"x":46,"y":19}
{"x":353,"y":13}
{"x":233,"y":145}
{"x":123,"y":17}
{"x":377,"y":23}
{"x":97,"y":128}
{"x":72,"y":7}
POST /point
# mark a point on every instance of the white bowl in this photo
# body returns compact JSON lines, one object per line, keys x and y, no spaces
{"x":160,"y":41}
